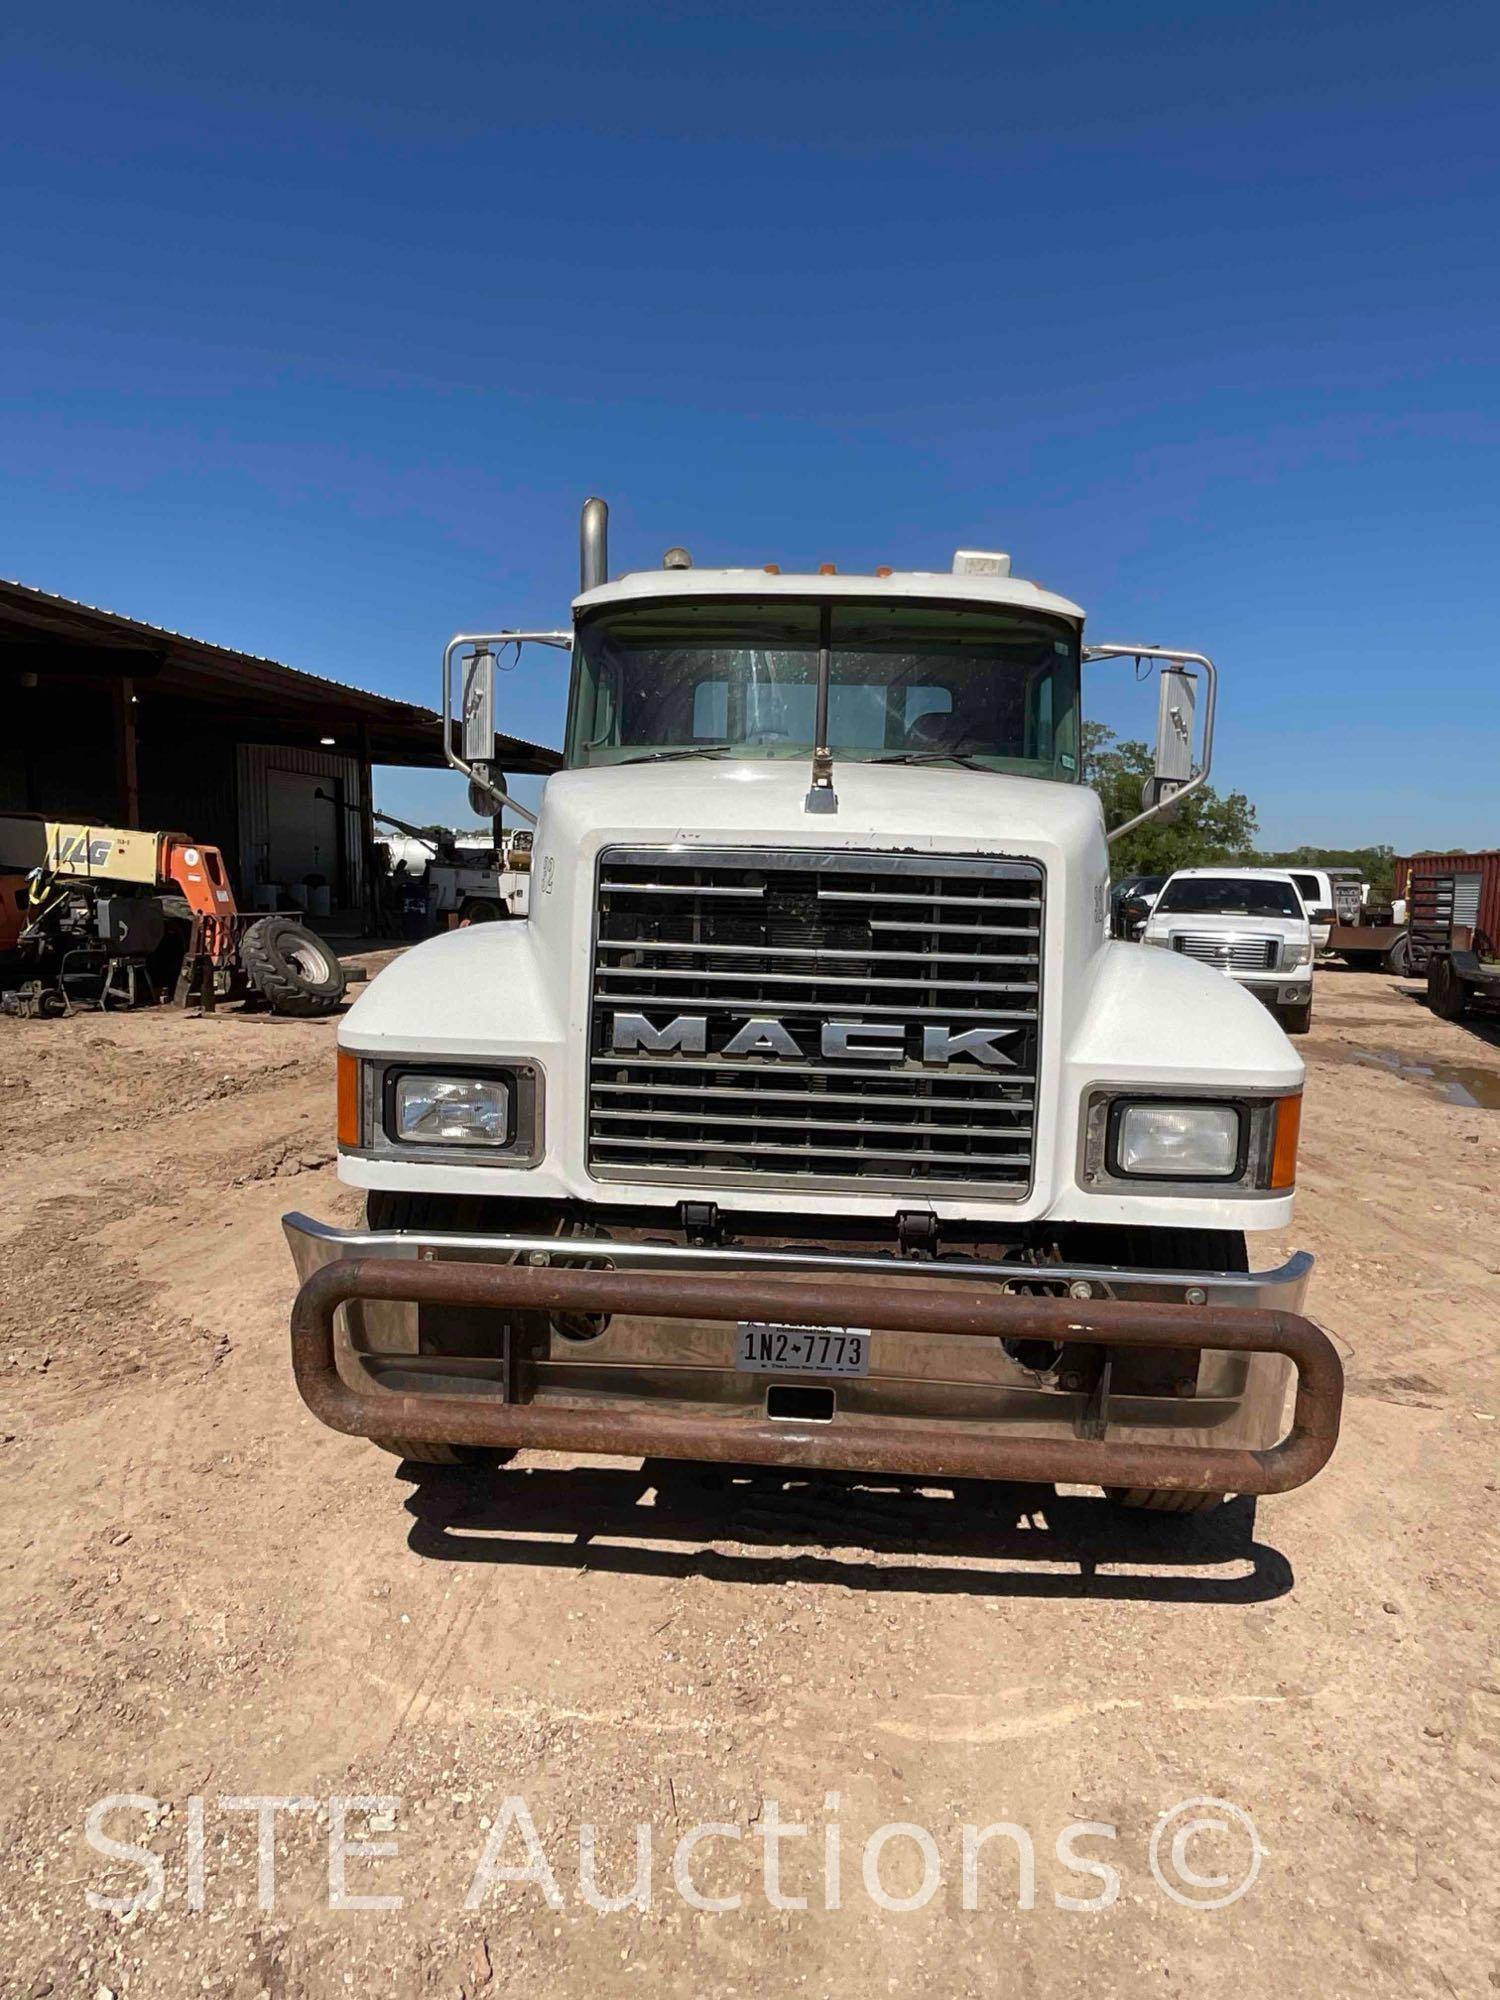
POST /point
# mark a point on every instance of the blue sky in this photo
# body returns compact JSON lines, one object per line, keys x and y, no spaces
{"x":320,"y":321}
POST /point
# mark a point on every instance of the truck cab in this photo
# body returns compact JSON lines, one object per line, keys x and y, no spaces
{"x":810,"y":1116}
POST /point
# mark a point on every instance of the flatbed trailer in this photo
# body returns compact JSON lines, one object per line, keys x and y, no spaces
{"x":1453,"y":903}
{"x":1368,"y":947}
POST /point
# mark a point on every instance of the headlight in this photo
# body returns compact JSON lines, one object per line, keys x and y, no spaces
{"x":1171,"y":1145}
{"x":1180,"y":1142}
{"x":451,"y":1110}
{"x":1295,"y":954}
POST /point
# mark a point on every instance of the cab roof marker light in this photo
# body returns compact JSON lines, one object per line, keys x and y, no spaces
{"x":980,"y":562}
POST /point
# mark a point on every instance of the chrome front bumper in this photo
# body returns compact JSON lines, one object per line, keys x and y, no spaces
{"x":947,"y":1393}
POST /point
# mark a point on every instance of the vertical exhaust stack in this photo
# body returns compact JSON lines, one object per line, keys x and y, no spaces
{"x":593,"y":545}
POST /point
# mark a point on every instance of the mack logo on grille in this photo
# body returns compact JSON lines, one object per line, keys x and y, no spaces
{"x":765,"y":1035}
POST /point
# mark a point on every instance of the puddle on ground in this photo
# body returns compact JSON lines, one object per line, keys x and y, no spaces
{"x":1460,"y":1083}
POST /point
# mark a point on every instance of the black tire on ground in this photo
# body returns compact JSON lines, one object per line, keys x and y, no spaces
{"x":442,"y":1330}
{"x":1398,"y":958}
{"x":1296,"y":1020}
{"x":417,"y":1452}
{"x":1156,"y":1500}
{"x":1447,"y":995}
{"x":291,"y":968}
{"x":479,"y":910}
{"x":1159,"y":1250}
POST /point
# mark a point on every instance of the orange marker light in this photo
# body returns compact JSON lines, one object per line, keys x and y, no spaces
{"x":828,"y":569}
{"x":883,"y":570}
{"x":1284,"y":1145}
{"x":773,"y":569}
{"x":348,"y":1099}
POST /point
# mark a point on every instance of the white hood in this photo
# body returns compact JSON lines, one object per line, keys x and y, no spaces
{"x":929,"y":808}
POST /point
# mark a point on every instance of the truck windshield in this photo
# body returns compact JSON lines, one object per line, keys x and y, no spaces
{"x":1227,"y":896}
{"x":908,"y":682}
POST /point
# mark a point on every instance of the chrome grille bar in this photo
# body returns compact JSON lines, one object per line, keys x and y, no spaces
{"x":680,"y":889}
{"x":916,"y":1131}
{"x":815,"y":978}
{"x":757,"y":1003}
{"x":763,"y":1095}
{"x":1245,"y":954}
{"x":892,"y":1073}
{"x":829,"y":951}
{"x":851,"y":1153}
{"x":1009,"y":904}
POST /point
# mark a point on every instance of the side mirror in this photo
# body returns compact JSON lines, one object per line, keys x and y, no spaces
{"x":1176,"y":722}
{"x":477,"y":708}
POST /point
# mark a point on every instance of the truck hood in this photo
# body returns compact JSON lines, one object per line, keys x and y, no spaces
{"x":934,"y":808}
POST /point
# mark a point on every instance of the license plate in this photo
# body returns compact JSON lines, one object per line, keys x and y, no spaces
{"x":768,"y":1347}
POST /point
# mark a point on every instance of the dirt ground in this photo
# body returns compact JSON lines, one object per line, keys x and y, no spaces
{"x":209,"y":1597}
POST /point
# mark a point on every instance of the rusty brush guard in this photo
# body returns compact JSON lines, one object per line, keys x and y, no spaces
{"x":904,"y":1446}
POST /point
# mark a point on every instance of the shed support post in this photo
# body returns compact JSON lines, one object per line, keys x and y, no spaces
{"x":127,"y":780}
{"x":370,"y":889}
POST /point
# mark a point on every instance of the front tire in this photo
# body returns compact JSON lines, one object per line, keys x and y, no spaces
{"x":1158,"y":1500}
{"x":418,"y":1452}
{"x":1158,"y":1250}
{"x":441,"y":1329}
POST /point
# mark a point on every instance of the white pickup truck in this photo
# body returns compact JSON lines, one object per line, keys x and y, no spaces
{"x":1248,"y":923}
{"x":810,"y":1117}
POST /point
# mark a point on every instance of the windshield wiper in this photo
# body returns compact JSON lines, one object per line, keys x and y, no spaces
{"x":673,"y":756}
{"x":933,"y":757}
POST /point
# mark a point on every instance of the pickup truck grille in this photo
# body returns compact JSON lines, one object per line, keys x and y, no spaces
{"x":726,"y":980}
{"x":1243,"y":954}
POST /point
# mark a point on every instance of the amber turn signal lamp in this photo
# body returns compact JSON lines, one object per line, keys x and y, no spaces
{"x":1284,"y":1145}
{"x":348,"y":1098}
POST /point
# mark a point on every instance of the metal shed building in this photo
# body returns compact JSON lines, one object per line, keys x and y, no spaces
{"x":127,"y":724}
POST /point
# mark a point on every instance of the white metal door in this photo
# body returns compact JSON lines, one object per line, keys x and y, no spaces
{"x":304,"y":827}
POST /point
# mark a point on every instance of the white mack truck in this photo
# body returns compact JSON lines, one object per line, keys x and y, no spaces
{"x":810,"y":1117}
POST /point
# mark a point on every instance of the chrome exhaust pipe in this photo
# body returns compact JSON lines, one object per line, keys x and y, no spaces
{"x":593,"y":545}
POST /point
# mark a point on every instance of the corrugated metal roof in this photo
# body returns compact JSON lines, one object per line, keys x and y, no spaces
{"x":378,"y":707}
{"x":49,"y":597}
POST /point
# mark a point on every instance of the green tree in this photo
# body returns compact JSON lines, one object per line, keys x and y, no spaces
{"x":1207,"y":828}
{"x":1377,"y":865}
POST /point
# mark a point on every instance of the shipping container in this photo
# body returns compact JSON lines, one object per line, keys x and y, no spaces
{"x":1461,"y":890}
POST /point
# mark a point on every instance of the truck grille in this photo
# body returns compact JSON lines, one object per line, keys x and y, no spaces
{"x":779,"y":953}
{"x":1243,"y":954}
